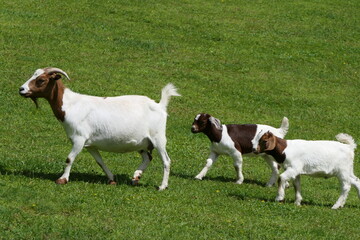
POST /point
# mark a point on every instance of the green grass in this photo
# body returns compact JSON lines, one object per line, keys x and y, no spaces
{"x":241,"y":61}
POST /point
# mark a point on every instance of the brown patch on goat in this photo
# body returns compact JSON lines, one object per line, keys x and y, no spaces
{"x":274,"y":146}
{"x":55,"y":100}
{"x":242,"y":136}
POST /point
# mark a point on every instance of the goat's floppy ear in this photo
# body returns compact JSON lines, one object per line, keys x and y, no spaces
{"x":216,"y":123}
{"x":271,"y":142}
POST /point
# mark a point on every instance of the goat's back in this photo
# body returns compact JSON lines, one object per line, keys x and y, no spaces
{"x":320,"y":153}
{"x":117,"y":124}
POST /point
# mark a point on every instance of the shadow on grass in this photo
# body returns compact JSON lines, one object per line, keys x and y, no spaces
{"x":121,"y":179}
{"x":290,"y":202}
{"x":217,"y":178}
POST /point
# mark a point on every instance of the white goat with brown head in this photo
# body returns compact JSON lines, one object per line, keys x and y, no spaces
{"x":313,"y":158}
{"x":113,"y":124}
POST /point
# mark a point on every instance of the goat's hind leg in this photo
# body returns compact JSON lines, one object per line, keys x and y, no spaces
{"x":238,"y":160}
{"x":356,"y":182}
{"x":96,"y":155}
{"x":146,"y":156}
{"x":166,"y":162}
{"x":298,"y":197}
{"x":274,"y":170}
{"x":345,"y":188}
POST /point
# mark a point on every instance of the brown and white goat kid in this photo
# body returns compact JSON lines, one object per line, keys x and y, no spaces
{"x":313,"y":158}
{"x":234,"y":140}
{"x":113,"y":124}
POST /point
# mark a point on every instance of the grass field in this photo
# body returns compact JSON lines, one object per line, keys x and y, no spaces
{"x":241,"y":61}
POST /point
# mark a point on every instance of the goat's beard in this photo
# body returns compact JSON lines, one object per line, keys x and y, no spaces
{"x":34,"y":99}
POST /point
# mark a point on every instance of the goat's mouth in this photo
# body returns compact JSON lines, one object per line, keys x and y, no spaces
{"x":25,"y":95}
{"x":194,"y":130}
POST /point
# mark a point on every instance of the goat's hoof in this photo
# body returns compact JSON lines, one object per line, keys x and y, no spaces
{"x":161,"y":188}
{"x":135,"y":181}
{"x":61,"y":181}
{"x":198,"y":178}
{"x":239,"y":182}
{"x":337,"y":206}
{"x":112,"y":182}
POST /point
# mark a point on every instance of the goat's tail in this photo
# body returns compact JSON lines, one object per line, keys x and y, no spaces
{"x":347,"y":139}
{"x":284,"y":126}
{"x":168,"y":91}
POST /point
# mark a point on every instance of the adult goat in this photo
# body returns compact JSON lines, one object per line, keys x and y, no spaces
{"x":113,"y":124}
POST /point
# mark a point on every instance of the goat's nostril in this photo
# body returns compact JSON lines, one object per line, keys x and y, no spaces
{"x":21,"y":89}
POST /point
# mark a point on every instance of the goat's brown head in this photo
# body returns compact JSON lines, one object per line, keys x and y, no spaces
{"x":41,"y":84}
{"x":203,"y":122}
{"x":265,"y":142}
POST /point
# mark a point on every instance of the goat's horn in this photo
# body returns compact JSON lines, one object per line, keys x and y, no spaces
{"x":51,"y":70}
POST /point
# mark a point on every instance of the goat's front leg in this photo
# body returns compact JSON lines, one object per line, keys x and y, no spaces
{"x":238,"y":167}
{"x":283,"y":179}
{"x":78,"y":144}
{"x":96,"y":155}
{"x":146,"y":156}
{"x":209,"y":162}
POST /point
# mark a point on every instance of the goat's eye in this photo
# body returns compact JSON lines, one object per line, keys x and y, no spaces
{"x":39,"y":82}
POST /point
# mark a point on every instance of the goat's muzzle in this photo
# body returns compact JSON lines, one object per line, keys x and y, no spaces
{"x":22,"y":93}
{"x":194,"y":129}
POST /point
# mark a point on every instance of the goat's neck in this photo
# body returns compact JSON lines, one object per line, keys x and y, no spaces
{"x":55,"y":99}
{"x":213,"y":133}
{"x":278,"y":152}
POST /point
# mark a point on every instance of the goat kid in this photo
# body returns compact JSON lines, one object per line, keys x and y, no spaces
{"x":234,"y":140}
{"x":313,"y":158}
{"x":113,"y":124}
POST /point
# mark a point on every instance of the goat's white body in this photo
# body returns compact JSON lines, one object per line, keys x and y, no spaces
{"x":117,"y":124}
{"x":226,"y":146}
{"x":114,"y":124}
{"x":320,"y":159}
